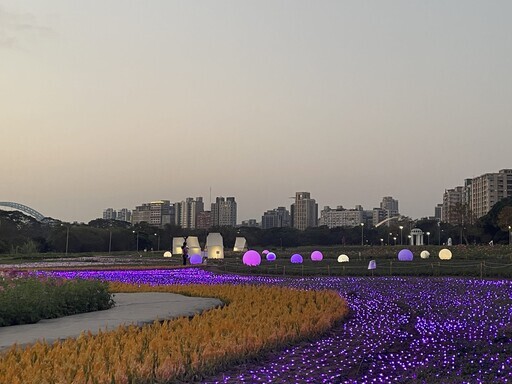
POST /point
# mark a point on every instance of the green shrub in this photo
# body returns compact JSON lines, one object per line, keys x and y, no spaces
{"x":28,"y":299}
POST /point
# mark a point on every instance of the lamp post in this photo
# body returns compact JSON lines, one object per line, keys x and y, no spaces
{"x":389,"y":234}
{"x":409,"y":237}
{"x":428,"y":238}
{"x":137,"y":232}
{"x":158,"y":241}
{"x":401,"y":237}
{"x":381,"y":242}
{"x":439,"y":232}
{"x":362,"y":233}
{"x":394,"y":238}
{"x":110,"y":241}
{"x":509,"y":235}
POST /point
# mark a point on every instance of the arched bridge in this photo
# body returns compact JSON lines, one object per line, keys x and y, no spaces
{"x":389,"y":219}
{"x":23,"y":208}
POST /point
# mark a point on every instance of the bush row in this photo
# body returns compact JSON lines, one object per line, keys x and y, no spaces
{"x":28,"y":299}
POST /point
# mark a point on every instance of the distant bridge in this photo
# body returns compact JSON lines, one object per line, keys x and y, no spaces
{"x":24,"y":209}
{"x":389,"y":219}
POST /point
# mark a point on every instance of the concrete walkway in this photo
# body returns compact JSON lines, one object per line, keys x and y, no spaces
{"x":130,"y":308}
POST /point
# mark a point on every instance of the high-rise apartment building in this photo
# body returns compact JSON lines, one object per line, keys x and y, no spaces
{"x":204,"y":220}
{"x":123,"y":214}
{"x":223,"y":212}
{"x":438,"y":211}
{"x":186,"y":212}
{"x":341,"y":217}
{"x":304,"y":212}
{"x":109,"y":214}
{"x":390,"y":207}
{"x":488,"y":189}
{"x":276,"y":218}
{"x":452,"y":198}
{"x":157,"y":213}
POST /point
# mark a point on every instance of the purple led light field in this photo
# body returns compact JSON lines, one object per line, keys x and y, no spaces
{"x":422,"y":330}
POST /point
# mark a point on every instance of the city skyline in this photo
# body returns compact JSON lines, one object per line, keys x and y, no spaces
{"x":115,"y":103}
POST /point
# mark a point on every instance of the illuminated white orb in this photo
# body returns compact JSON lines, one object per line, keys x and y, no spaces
{"x":445,"y":254}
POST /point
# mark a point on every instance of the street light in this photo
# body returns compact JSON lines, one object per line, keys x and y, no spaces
{"x":381,"y":242}
{"x":509,"y":235}
{"x":389,"y":234}
{"x":428,"y":238}
{"x":409,"y":237}
{"x":394,"y":238}
{"x":401,"y":237}
{"x":158,"y":242}
{"x":137,"y":232}
{"x":362,"y":234}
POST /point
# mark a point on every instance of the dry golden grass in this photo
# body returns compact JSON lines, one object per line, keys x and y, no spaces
{"x":256,"y":318}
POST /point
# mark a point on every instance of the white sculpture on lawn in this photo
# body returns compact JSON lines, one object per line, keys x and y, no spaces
{"x":177,"y":243}
{"x":215,"y":246}
{"x":193,"y":245}
{"x":240,"y":244}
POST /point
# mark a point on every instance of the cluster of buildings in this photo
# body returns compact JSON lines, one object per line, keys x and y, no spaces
{"x":462,"y":204}
{"x":475,"y":198}
{"x":303,"y":213}
{"x":189,"y":213}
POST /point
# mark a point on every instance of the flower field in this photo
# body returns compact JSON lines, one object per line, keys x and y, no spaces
{"x":403,"y":330}
{"x":422,"y":330}
{"x":257,"y":318}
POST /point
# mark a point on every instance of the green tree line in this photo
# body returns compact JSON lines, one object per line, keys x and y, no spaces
{"x":23,"y":234}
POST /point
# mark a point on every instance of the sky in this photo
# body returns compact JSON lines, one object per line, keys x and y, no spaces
{"x":114,"y":103}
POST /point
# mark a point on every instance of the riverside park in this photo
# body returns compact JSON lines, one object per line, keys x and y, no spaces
{"x":374,"y":319}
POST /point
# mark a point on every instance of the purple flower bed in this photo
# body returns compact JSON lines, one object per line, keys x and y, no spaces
{"x":431,"y":330}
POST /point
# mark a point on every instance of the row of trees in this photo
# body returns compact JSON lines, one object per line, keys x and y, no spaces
{"x":22,"y":234}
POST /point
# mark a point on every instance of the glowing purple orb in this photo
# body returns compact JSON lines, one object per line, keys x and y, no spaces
{"x":317,"y":256}
{"x":271,"y":256}
{"x":252,"y":258}
{"x":405,"y":255}
{"x":296,"y":259}
{"x":372,"y":264}
{"x":196,"y":259}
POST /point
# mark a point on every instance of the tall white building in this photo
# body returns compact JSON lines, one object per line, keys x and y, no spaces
{"x":187,"y":212}
{"x":124,"y":214}
{"x":390,"y":207}
{"x":304,"y":212}
{"x":341,"y":217}
{"x":488,"y":189}
{"x":451,"y":199}
{"x":223,"y":212}
{"x":157,"y":213}
{"x":109,"y":214}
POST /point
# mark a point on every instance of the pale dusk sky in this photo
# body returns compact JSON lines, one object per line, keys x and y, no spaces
{"x":116,"y":103}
